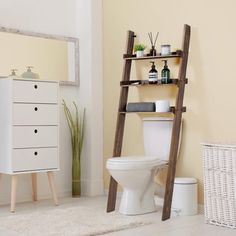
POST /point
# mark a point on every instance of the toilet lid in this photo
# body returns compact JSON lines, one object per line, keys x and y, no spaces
{"x":134,"y":162}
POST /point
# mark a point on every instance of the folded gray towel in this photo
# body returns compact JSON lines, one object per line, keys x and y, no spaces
{"x":140,"y":107}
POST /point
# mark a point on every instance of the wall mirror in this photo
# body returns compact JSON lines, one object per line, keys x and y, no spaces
{"x":52,"y":57}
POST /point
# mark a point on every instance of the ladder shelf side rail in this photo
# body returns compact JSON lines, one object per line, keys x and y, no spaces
{"x":176,"y":127}
{"x":120,"y":120}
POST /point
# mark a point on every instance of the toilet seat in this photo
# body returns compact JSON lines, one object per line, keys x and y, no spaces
{"x":134,"y":162}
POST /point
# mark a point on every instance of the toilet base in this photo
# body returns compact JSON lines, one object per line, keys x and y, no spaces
{"x":133,"y":202}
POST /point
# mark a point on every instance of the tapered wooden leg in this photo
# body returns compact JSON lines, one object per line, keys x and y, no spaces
{"x":34,"y":186}
{"x":13,"y":192}
{"x":111,"y":204}
{"x":171,"y":171}
{"x":52,"y":186}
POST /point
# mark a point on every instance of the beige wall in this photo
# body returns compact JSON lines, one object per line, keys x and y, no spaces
{"x":47,"y":56}
{"x":210,"y":94}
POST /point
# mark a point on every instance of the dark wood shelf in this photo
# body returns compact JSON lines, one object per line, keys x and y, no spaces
{"x":176,"y":54}
{"x":172,"y":110}
{"x":147,"y":82}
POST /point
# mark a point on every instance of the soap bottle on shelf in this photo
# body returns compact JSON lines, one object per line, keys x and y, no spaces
{"x":165,"y":74}
{"x":153,"y":73}
{"x":13,"y":74}
{"x":29,"y":74}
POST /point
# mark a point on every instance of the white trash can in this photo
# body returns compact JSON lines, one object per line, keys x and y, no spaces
{"x":184,"y":200}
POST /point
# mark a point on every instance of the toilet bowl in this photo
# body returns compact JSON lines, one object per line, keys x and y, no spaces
{"x":136,"y":173}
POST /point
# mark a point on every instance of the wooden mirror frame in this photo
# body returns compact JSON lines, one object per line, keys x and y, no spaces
{"x":56,"y":37}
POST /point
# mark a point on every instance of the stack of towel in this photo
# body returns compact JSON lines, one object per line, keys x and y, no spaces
{"x":140,"y":107}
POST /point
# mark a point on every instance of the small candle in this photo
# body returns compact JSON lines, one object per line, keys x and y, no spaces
{"x":165,"y":49}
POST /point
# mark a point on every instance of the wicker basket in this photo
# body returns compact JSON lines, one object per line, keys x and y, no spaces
{"x":220,"y":184}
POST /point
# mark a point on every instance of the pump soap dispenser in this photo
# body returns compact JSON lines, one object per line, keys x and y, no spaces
{"x":153,"y":73}
{"x":165,"y":74}
{"x":13,"y":74}
{"x":29,"y":74}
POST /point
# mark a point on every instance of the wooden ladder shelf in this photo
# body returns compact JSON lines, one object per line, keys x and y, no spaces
{"x":177,"y":111}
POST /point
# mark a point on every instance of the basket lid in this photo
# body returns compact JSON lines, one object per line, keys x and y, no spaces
{"x":185,"y":180}
{"x":226,"y":145}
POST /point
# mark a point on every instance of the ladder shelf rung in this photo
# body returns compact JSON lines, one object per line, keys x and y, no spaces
{"x":147,"y":82}
{"x":172,"y":111}
{"x":175,"y":54}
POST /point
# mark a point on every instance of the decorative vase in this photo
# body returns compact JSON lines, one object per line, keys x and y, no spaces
{"x":76,"y":188}
{"x":139,"y":53}
{"x":76,"y":125}
{"x":153,"y":51}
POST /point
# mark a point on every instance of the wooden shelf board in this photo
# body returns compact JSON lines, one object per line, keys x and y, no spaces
{"x":147,"y":82}
{"x":147,"y":113}
{"x":172,"y":111}
{"x":176,"y":54}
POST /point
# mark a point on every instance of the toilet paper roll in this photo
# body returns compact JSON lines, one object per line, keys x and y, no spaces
{"x":162,"y":106}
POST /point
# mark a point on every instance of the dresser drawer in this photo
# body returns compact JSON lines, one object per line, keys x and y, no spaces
{"x":35,"y":136}
{"x":35,"y":92}
{"x":34,"y":159}
{"x":35,"y":114}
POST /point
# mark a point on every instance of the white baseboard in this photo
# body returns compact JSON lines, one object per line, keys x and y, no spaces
{"x":159,"y":201}
{"x":92,"y":188}
{"x":201,"y":209}
{"x":119,"y":193}
{"x":26,"y":198}
{"x":88,"y":188}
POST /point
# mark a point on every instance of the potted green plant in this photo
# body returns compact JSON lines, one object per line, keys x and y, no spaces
{"x":139,"y":50}
{"x":76,"y":125}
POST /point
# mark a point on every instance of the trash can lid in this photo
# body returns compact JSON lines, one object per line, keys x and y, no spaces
{"x":185,"y":180}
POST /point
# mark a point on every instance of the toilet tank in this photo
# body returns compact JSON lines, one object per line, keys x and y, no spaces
{"x":157,"y":136}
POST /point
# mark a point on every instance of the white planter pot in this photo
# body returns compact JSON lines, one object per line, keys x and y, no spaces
{"x":139,"y":53}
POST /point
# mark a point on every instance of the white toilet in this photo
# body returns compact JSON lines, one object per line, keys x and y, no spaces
{"x":136,"y":174}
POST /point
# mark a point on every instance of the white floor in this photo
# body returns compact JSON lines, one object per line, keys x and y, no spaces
{"x":176,"y":226}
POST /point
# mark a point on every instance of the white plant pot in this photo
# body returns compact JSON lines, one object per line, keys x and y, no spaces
{"x":139,"y":53}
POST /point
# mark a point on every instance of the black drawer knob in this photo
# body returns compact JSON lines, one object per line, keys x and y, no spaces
{"x":36,"y":108}
{"x":36,"y":131}
{"x":35,"y":153}
{"x":35,"y":86}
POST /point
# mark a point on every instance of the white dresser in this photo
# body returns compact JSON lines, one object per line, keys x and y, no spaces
{"x":29,"y":129}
